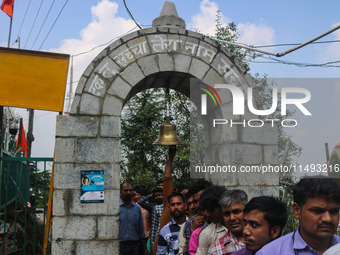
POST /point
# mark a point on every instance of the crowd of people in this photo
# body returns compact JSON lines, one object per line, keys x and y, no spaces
{"x":210,"y":219}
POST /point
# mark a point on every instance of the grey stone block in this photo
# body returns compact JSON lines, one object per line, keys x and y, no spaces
{"x":89,"y":70}
{"x":64,"y":150}
{"x":108,"y":227}
{"x":270,"y":154}
{"x":98,"y":150}
{"x":119,"y":88}
{"x":149,"y":64}
{"x":96,"y":85}
{"x":158,"y":43}
{"x":190,"y":45}
{"x":98,"y":247}
{"x":177,"y":30}
{"x":182,"y":62}
{"x":139,"y":47}
{"x":67,"y":176}
{"x":103,"y":54}
{"x":198,"y":68}
{"x":80,"y":126}
{"x":150,"y":30}
{"x":195,"y":35}
{"x":115,"y":44}
{"x":75,"y":105}
{"x":252,"y":191}
{"x":254,"y":178}
{"x":271,"y":190}
{"x":132,"y":74}
{"x":62,"y":247}
{"x":90,"y":104}
{"x":165,"y":62}
{"x":81,"y":85}
{"x":206,"y":52}
{"x":112,"y":106}
{"x":67,"y":203}
{"x":212,"y":77}
{"x":122,"y":56}
{"x":266,"y":135}
{"x":110,"y":126}
{"x":107,"y":69}
{"x":244,"y":154}
{"x":130,"y":36}
{"x":79,"y":228}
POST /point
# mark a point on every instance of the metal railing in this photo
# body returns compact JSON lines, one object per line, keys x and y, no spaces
{"x":24,"y":189}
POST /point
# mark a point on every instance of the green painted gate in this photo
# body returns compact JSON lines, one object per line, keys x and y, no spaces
{"x":24,"y":189}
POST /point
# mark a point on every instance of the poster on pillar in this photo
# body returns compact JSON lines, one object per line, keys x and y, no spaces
{"x":92,"y":186}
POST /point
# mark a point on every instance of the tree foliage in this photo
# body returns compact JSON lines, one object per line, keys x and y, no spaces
{"x":143,"y":162}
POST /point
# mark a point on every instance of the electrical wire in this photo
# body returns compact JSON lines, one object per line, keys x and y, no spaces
{"x":279,"y":61}
{"x":53,"y":24}
{"x":24,"y":17}
{"x":104,"y":44}
{"x":35,"y":19}
{"x":293,"y":44}
{"x":49,"y":10}
{"x":131,"y":15}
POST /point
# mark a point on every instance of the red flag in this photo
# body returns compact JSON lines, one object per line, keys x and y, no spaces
{"x":21,"y":141}
{"x":7,"y":7}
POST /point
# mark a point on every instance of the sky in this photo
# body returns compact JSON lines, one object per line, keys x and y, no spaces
{"x":84,"y":25}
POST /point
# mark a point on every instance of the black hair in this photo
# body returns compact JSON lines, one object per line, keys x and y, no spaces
{"x":275,"y":211}
{"x":210,"y":197}
{"x":311,"y":187}
{"x":187,"y":195}
{"x":141,"y":190}
{"x":181,"y":188}
{"x":155,"y":190}
{"x":122,"y":184}
{"x":159,"y":181}
{"x":176,"y":194}
{"x":199,"y":185}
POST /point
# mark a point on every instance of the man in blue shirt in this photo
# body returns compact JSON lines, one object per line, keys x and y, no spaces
{"x":316,"y":206}
{"x":168,"y":239}
{"x":264,"y":220}
{"x":131,"y":228}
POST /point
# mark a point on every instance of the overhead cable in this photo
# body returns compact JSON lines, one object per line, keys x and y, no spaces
{"x":35,"y":19}
{"x":131,"y":15}
{"x":53,"y":24}
{"x":104,"y":44}
{"x":24,"y":17}
{"x":49,"y":10}
{"x":277,"y":54}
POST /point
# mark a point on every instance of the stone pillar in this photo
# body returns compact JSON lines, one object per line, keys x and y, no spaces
{"x":86,"y":143}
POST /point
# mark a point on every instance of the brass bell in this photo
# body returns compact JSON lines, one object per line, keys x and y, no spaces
{"x":167,"y":134}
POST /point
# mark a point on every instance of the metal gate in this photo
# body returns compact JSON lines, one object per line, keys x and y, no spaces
{"x":24,"y":190}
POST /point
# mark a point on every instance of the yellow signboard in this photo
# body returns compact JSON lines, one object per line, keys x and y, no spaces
{"x":33,"y":79}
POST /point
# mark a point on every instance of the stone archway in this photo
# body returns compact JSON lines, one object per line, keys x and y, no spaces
{"x":89,"y":138}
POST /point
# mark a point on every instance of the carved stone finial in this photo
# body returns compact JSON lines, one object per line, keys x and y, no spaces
{"x":168,"y":17}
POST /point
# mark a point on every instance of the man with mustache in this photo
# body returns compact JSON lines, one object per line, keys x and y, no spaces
{"x":264,"y":220}
{"x":131,"y":228}
{"x":316,"y":206}
{"x":168,"y":239}
{"x":232,"y":203}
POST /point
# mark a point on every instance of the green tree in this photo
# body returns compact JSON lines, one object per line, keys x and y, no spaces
{"x":143,"y":162}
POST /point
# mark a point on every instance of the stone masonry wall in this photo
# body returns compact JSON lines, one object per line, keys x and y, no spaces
{"x":89,"y":138}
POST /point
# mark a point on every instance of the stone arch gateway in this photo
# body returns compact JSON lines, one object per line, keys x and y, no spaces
{"x":89,"y":138}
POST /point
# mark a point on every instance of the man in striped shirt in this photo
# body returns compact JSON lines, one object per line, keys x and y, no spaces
{"x":168,"y":239}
